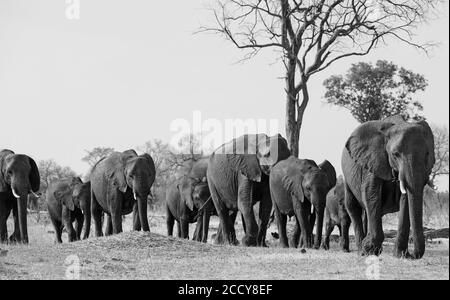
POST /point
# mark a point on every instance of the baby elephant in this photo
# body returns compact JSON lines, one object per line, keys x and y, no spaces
{"x":188,"y":201}
{"x":68,"y":201}
{"x":336,"y":215}
{"x":295,"y":185}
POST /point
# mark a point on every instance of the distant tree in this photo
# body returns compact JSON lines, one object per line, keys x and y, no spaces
{"x":94,"y":155}
{"x":169,"y":159}
{"x":441,"y":153}
{"x":376,"y":92}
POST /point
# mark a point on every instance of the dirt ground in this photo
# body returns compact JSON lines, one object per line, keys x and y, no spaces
{"x":137,"y":255}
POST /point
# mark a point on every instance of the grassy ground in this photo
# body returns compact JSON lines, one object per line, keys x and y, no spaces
{"x":137,"y":255}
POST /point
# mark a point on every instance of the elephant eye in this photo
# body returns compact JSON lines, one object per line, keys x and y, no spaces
{"x":396,"y":154}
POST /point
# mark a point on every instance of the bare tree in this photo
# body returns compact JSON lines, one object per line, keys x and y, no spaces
{"x":94,"y":155}
{"x":441,"y":153}
{"x":310,"y":35}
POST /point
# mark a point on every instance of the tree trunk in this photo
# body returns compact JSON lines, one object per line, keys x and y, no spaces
{"x":292,"y":132}
{"x":294,"y":116}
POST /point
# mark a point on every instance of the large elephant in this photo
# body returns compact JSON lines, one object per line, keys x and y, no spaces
{"x":120,"y":184}
{"x":69,"y":201}
{"x":386,"y":165}
{"x":238,"y":178}
{"x":19,"y":176}
{"x":336,"y":215}
{"x":295,"y":185}
{"x":189,"y":200}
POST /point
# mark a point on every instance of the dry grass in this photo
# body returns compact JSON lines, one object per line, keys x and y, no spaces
{"x":137,"y":255}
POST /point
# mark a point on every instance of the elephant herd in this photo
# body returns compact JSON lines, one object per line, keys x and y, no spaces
{"x":385,"y":164}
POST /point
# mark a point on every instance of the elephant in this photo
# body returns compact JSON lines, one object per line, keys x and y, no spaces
{"x":295,"y":184}
{"x":189,"y":200}
{"x":19,"y":176}
{"x":386,"y":165}
{"x":69,"y":201}
{"x":336,"y":215}
{"x":238,"y":178}
{"x":120,"y":184}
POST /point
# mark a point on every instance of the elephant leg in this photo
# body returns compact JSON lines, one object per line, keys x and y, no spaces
{"x":79,"y":225}
{"x":184,"y":223}
{"x":329,"y":226}
{"x":355,"y":211}
{"x":97,"y":215}
{"x":281,"y":224}
{"x":295,"y":238}
{"x":170,"y":220}
{"x":344,"y":236}
{"x":245,"y":205}
{"x":136,"y":220}
{"x":15,"y":236}
{"x":302,"y":214}
{"x":178,"y":229}
{"x":57,"y":225}
{"x":225,"y":232}
{"x":401,"y":243}
{"x":109,"y":227}
{"x":205,"y":225}
{"x":67,"y":221}
{"x":198,"y":229}
{"x":4,"y":214}
{"x":364,"y":222}
{"x":265,"y":207}
{"x":373,"y":242}
{"x":116,"y":213}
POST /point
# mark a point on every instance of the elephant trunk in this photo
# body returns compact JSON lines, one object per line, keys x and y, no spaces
{"x":140,"y":193}
{"x":20,"y":191}
{"x":414,"y":184}
{"x":319,"y":215}
{"x":318,"y":200}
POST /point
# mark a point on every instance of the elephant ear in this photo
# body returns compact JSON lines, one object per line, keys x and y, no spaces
{"x":151,"y":165}
{"x":367,"y":147}
{"x":429,"y":140}
{"x":241,"y":153}
{"x":3,"y":155}
{"x":292,"y":180}
{"x":34,"y":177}
{"x":65,"y":197}
{"x":329,"y":170}
{"x":271,"y":150}
{"x":185,"y":191}
{"x":116,"y":170}
{"x":293,"y":185}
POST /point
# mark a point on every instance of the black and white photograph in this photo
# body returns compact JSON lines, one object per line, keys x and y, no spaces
{"x":223,"y":146}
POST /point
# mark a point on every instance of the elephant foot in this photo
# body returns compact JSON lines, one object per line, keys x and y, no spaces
{"x":15,"y":238}
{"x":326,"y":246}
{"x":249,"y":241}
{"x":316,"y":246}
{"x":371,"y":247}
{"x":402,"y":254}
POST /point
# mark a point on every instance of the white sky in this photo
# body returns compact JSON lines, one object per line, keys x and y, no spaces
{"x":122,"y":73}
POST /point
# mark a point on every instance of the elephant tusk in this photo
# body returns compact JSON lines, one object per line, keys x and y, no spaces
{"x":14,"y":193}
{"x":34,"y":194}
{"x":402,"y":187}
{"x":134,"y":196}
{"x":312,"y":209}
